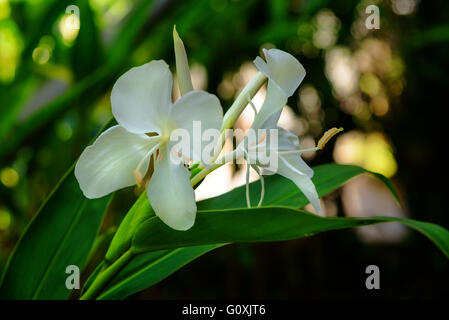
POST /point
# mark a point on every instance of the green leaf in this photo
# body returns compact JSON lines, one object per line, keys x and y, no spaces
{"x":140,"y":211}
{"x":60,"y":234}
{"x":149,"y":268}
{"x":86,"y":54}
{"x":92,"y":276}
{"x":280,"y":191}
{"x":261,"y":224}
{"x":125,"y":40}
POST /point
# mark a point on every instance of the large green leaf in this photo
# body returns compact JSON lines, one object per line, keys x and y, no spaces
{"x":149,"y":268}
{"x":87,"y":53}
{"x":60,"y":234}
{"x":261,"y":224}
{"x":280,"y":191}
{"x":140,"y":211}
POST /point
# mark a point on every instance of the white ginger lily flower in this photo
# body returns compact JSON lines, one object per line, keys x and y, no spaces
{"x":284,"y":73}
{"x":287,"y":152}
{"x":141,"y":104}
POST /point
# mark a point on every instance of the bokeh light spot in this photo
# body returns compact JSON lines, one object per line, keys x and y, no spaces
{"x":403,"y":7}
{"x":64,"y":130}
{"x":5,"y":219}
{"x":370,"y":84}
{"x":371,"y":151}
{"x":69,"y":28}
{"x":5,"y":9}
{"x":41,"y":55}
{"x":9,"y":177}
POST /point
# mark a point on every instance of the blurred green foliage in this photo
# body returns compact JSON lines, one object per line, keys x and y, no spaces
{"x":54,"y":96}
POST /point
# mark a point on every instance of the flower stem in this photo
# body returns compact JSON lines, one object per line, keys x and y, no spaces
{"x":242,"y":100}
{"x":237,"y":108}
{"x":203,"y":173}
{"x":105,"y":276}
{"x":217,"y":164}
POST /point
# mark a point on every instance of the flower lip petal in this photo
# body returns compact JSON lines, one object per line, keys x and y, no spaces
{"x":141,"y":96}
{"x":171,"y":194}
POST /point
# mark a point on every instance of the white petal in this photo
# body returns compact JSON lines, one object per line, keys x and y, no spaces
{"x":262,"y":66}
{"x":282,"y":68}
{"x":108,"y":164}
{"x":171,"y":194}
{"x":141,"y":96}
{"x":196,"y":112}
{"x":272,"y":121}
{"x":286,"y":141}
{"x":302,"y":181}
{"x":285,"y":69}
{"x":289,"y":141}
{"x":275,"y":100}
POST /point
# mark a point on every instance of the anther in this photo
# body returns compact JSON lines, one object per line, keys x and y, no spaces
{"x":327,"y":136}
{"x":138,"y":177}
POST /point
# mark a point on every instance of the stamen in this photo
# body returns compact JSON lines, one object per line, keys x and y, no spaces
{"x":298,"y":151}
{"x":187,"y":161}
{"x":138,"y":177}
{"x":137,"y":174}
{"x":248,"y":201}
{"x":327,"y":136}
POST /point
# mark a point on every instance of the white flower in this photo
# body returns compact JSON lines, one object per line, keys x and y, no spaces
{"x":141,"y":104}
{"x":284,"y":73}
{"x":286,"y":151}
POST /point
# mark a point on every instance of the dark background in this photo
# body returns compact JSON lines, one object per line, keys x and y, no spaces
{"x":54,"y":96}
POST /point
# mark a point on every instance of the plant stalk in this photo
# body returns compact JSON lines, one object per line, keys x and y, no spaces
{"x":237,"y":108}
{"x":105,"y":276}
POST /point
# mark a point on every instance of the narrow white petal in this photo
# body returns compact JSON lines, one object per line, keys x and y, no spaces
{"x":196,"y":112}
{"x":141,"y":96}
{"x":171,"y":194}
{"x":289,"y":141}
{"x":272,"y":121}
{"x":302,"y":181}
{"x":285,"y":70}
{"x":275,"y":100}
{"x":108,"y":164}
{"x":182,"y":64}
{"x":286,"y":141}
